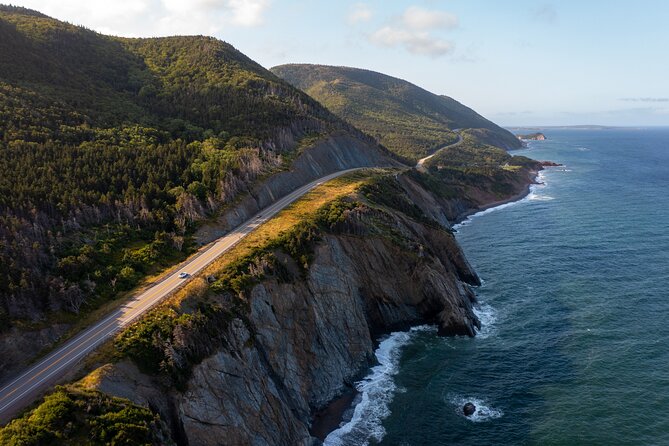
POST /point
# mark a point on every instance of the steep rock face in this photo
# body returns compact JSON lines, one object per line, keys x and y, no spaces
{"x":234,"y":398}
{"x":335,"y":153}
{"x":305,"y":341}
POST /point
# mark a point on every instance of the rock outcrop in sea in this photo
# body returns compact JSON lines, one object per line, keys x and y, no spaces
{"x":532,"y":137}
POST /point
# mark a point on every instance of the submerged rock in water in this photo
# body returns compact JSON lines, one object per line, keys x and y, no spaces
{"x":468,"y":409}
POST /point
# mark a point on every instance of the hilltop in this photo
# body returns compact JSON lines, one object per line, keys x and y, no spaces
{"x":408,"y":120}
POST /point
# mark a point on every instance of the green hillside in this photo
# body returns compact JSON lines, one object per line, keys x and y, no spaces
{"x":112,"y":148}
{"x":407,"y":119}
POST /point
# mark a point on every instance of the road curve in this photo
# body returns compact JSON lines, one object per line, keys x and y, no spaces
{"x":31,"y":384}
{"x":420,"y":164}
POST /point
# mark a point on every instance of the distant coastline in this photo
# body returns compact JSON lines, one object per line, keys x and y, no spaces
{"x":564,"y":127}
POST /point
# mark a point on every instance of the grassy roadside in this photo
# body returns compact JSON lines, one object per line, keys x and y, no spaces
{"x":301,"y":210}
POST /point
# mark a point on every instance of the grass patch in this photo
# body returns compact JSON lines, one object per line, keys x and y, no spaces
{"x":288,"y":218}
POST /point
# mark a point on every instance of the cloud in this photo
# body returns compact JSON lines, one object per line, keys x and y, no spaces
{"x":360,"y":12}
{"x":416,"y":31}
{"x":545,"y":13}
{"x":646,"y":99}
{"x":140,"y":18}
{"x":414,"y":42}
{"x":247,"y":12}
{"x":423,"y":19}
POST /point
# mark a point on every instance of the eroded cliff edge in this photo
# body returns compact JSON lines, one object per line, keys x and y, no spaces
{"x":302,"y":334}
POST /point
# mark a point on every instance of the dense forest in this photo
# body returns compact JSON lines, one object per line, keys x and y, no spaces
{"x":112,"y":149}
{"x":408,"y":120}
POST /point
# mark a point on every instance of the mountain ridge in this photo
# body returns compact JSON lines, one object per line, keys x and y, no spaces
{"x":409,"y":120}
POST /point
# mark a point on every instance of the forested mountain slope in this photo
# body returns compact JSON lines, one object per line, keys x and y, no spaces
{"x":112,"y":149}
{"x":405,"y":118}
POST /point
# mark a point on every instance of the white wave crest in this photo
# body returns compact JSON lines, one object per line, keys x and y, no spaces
{"x":487,"y":316}
{"x":483,"y":412}
{"x":535,"y":189}
{"x":537,"y":197}
{"x":532,"y":195}
{"x":376,"y":393}
{"x":468,"y":220}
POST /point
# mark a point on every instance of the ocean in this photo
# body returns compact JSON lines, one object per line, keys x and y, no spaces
{"x":574,"y":347}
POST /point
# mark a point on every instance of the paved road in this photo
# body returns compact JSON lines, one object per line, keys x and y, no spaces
{"x":420,"y":165}
{"x":32,"y":383}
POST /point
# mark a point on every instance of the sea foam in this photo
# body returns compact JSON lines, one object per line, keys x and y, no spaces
{"x":535,"y":189}
{"x":484,"y":412}
{"x":532,"y":195}
{"x":469,"y":219}
{"x":376,"y":393}
{"x":487,"y":316}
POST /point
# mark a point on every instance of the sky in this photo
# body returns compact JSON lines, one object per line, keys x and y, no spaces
{"x":517,"y":62}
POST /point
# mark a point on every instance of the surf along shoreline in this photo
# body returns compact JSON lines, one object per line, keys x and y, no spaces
{"x":340,"y":410}
{"x":527,"y":188}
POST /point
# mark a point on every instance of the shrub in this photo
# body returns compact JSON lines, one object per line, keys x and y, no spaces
{"x":76,"y":416}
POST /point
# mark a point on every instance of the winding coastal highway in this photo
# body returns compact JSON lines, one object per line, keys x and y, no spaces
{"x":32,"y":383}
{"x":420,"y":164}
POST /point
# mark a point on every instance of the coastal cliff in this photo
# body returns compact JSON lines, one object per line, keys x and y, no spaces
{"x":306,"y":335}
{"x":185,"y":138}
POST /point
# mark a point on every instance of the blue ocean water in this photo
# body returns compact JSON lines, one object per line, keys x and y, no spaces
{"x":575,"y":304}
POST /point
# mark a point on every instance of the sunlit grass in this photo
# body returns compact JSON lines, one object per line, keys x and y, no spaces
{"x":302,"y":209}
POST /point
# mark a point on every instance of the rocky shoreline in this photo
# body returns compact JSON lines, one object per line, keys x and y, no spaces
{"x":532,"y":180}
{"x":334,"y":414}
{"x":338,"y":411}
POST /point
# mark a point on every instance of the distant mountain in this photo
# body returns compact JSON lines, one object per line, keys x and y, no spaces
{"x":407,"y":119}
